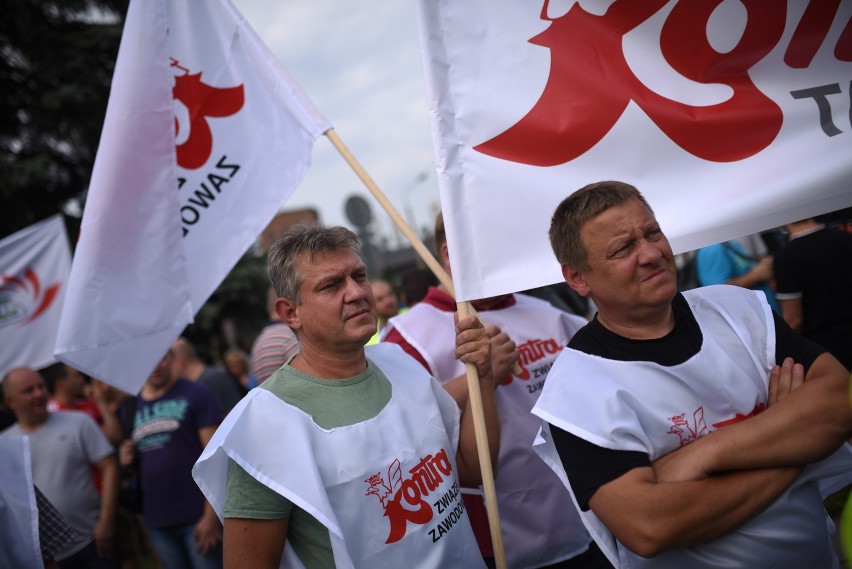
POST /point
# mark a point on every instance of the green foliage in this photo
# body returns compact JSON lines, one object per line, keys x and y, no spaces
{"x":57,"y":59}
{"x":240,"y":300}
{"x":56,"y":64}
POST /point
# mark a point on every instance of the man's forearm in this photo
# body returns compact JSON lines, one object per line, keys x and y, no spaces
{"x":808,"y":425}
{"x":468,"y":457}
{"x":650,"y":517}
{"x":109,"y":489}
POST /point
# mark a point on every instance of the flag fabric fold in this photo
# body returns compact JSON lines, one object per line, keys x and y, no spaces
{"x":34,"y":267}
{"x":730,"y":117}
{"x":205,"y":138}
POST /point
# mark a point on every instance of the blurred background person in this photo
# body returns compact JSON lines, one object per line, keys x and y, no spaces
{"x":275,"y":344}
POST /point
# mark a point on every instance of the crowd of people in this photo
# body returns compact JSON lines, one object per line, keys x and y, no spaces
{"x":651,"y":427}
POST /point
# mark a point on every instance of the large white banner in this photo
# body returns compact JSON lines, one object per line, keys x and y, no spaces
{"x":34,"y":266}
{"x":730,"y":116}
{"x":205,"y":138}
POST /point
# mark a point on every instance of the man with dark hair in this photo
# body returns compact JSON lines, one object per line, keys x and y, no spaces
{"x":187,"y":364}
{"x":346,"y":456}
{"x":686,"y":433}
{"x":174,"y":419}
{"x":539,"y":524}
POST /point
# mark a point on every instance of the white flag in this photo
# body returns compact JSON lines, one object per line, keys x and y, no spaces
{"x":205,"y":138}
{"x":34,"y":266}
{"x":19,"y":540}
{"x":731,"y":118}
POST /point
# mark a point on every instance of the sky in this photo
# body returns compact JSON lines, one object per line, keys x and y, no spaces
{"x":359,"y":62}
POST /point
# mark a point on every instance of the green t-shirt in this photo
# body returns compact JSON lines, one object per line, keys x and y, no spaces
{"x":331,"y":403}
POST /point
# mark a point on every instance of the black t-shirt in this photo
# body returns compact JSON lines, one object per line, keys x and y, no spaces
{"x":589,"y":466}
{"x":817,"y":267}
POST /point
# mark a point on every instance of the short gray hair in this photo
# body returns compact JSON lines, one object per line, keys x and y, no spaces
{"x":310,"y":239}
{"x":578,"y":208}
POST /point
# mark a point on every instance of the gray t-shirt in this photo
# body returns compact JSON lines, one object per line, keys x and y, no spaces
{"x":62,"y":452}
{"x":225,"y":388}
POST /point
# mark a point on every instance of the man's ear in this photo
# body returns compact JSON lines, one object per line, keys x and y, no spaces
{"x":444,"y":255}
{"x":286,"y":311}
{"x":575,"y":279}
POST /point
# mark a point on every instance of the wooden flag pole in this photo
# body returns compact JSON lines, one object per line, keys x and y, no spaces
{"x":401,"y":224}
{"x":475,"y":397}
{"x":474,"y":392}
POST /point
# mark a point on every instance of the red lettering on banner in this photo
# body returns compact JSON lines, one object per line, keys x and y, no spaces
{"x":202,"y":101}
{"x":590,"y":83}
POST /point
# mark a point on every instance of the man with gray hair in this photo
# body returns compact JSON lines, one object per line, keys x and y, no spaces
{"x":345,"y":456}
{"x":680,"y":422}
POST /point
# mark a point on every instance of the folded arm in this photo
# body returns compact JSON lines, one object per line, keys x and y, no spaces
{"x":650,"y":516}
{"x":804,"y":427}
{"x":681,"y":501}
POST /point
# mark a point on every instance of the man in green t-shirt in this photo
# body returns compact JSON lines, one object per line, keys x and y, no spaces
{"x":355,"y":410}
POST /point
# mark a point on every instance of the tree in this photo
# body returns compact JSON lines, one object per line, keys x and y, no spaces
{"x":56,"y":63}
{"x":236,"y":311}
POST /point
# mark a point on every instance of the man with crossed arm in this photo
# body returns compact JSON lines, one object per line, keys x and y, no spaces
{"x":657,"y":410}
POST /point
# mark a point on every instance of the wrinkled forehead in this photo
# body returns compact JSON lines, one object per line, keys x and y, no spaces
{"x":316,"y":264}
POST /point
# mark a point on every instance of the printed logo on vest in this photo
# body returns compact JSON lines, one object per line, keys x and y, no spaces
{"x":758,"y":409}
{"x":533,"y":351}
{"x":405,"y":499}
{"x":686,"y":431}
{"x":689,"y":432}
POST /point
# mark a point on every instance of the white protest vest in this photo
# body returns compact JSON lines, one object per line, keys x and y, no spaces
{"x":645,"y":407}
{"x":386,"y":488}
{"x":537,"y":519}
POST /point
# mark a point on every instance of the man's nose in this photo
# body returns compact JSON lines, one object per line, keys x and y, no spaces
{"x":649,"y":252}
{"x":354,"y":291}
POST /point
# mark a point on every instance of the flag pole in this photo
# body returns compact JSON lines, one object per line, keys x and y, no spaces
{"x":398,"y":220}
{"x":402,"y":225}
{"x":475,"y":397}
{"x":472,"y":376}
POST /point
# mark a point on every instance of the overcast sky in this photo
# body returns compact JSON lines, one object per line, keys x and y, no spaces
{"x":359,"y":62}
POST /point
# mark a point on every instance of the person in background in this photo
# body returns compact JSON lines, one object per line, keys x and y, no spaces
{"x":729,"y":263}
{"x":813,"y":275}
{"x":275,"y":344}
{"x":173,"y":422}
{"x":187,"y":364}
{"x":387,"y":306}
{"x":63,"y":449}
{"x":70,"y":392}
{"x":237,"y":364}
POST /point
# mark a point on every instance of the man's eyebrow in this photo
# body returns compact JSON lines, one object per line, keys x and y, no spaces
{"x":328,"y":279}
